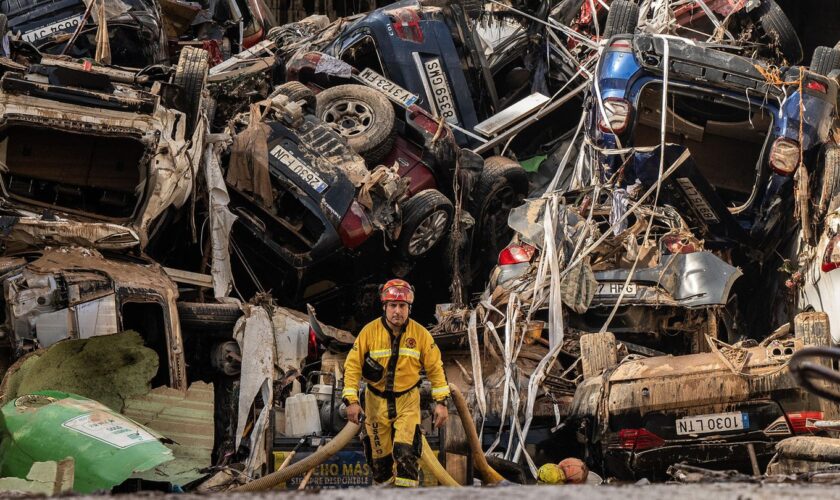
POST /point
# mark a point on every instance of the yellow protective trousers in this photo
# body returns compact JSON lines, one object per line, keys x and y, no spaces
{"x":392,"y":422}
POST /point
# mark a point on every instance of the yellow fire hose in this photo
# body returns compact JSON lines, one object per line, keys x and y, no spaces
{"x":427,"y":457}
{"x":488,"y":474}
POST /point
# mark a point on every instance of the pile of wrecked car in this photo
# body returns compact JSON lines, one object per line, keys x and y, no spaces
{"x":197,"y":207}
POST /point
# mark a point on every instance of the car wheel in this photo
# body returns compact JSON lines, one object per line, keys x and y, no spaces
{"x":502,"y":186}
{"x":812,"y":328}
{"x":598,"y":352}
{"x":825,"y":60}
{"x":427,"y":217}
{"x":296,"y":91}
{"x":777,"y":27}
{"x":191,"y":77}
{"x":623,"y":18}
{"x":363,"y":116}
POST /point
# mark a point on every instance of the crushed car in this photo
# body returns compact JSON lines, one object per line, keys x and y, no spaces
{"x":640,"y":416}
{"x":106,"y":148}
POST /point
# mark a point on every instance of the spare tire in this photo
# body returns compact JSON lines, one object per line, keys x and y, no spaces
{"x":191,"y":77}
{"x":363,"y":116}
{"x":777,"y":27}
{"x":825,"y":60}
{"x":427,"y":217}
{"x":623,"y":18}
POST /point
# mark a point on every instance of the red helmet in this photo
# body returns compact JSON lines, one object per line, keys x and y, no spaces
{"x":397,"y":290}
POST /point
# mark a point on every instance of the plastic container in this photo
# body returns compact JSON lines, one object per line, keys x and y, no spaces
{"x":302,"y":417}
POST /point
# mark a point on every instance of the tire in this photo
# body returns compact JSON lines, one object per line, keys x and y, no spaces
{"x":830,"y":189}
{"x":208,"y":315}
{"x":191,"y":77}
{"x":502,"y":185}
{"x":297,"y":91}
{"x":812,"y":328}
{"x":776,"y":26}
{"x":363,"y":116}
{"x":622,"y":19}
{"x":825,"y":60}
{"x":598,"y":352}
{"x":427,"y":217}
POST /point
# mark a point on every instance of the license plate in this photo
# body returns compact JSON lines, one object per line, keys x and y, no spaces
{"x":441,"y":94}
{"x":715,"y":422}
{"x":298,"y":168}
{"x":394,"y":92}
{"x":51,"y":29}
{"x":614,"y":289}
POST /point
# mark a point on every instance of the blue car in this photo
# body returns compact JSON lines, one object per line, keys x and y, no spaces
{"x":747,"y":127}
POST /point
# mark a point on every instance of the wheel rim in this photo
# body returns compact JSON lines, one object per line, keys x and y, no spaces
{"x":428,"y":233}
{"x":349,"y":117}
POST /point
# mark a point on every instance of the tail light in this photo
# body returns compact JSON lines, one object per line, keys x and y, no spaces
{"x":784,"y":156}
{"x":406,"y":23}
{"x":803,"y":422}
{"x":620,"y":44}
{"x":616,"y":115}
{"x":638,"y":439}
{"x":312,"y":348}
{"x":817,"y":86}
{"x":355,"y":227}
{"x":516,"y":254}
{"x":831,"y":259}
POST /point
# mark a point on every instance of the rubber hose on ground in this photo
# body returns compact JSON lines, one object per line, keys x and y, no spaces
{"x":488,"y":474}
{"x":429,"y":459}
{"x":300,"y":468}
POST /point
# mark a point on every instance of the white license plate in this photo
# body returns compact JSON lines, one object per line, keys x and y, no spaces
{"x":614,"y":289}
{"x":441,"y":93}
{"x":715,"y":422}
{"x":49,"y":30}
{"x":394,"y":92}
{"x":298,"y":168}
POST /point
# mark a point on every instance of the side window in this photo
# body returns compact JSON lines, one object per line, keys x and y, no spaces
{"x":363,"y":54}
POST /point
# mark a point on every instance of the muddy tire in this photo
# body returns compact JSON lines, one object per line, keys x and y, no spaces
{"x":623,"y":18}
{"x":777,"y":27}
{"x":598,"y":352}
{"x":812,"y":328}
{"x":502,"y":185}
{"x":208,"y":315}
{"x":363,"y":116}
{"x":297,"y":91}
{"x":191,"y":77}
{"x":427,"y":217}
{"x":825,"y":60}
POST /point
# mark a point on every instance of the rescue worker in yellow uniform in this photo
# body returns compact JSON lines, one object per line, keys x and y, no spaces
{"x":389,"y":353}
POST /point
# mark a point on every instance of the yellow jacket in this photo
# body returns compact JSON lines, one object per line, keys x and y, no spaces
{"x":416,"y":350}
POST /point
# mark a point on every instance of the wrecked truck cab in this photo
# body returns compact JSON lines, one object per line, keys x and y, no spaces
{"x":71,"y":292}
{"x":710,"y":409}
{"x":99,"y":144}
